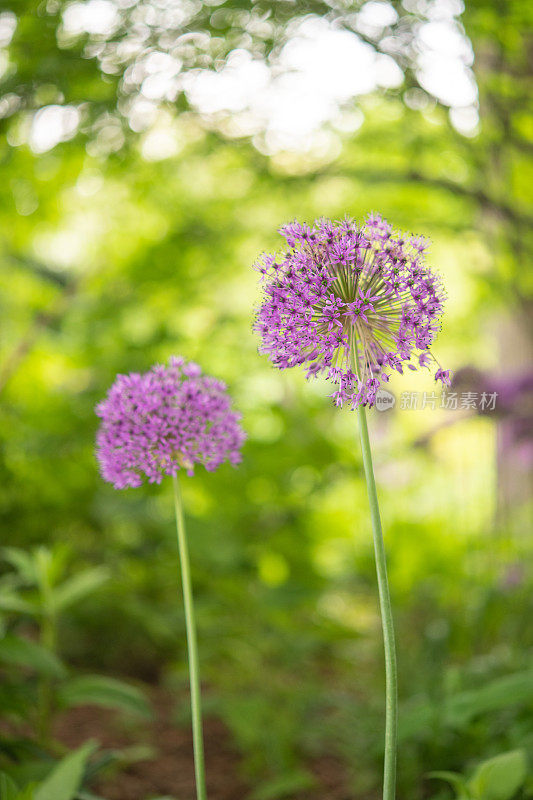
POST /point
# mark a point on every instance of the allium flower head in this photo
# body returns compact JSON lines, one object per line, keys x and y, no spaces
{"x":350,"y":302}
{"x":167,"y":419}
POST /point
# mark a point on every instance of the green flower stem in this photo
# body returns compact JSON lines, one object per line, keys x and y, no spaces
{"x":391,"y":678}
{"x":194,"y":678}
{"x":387,"y":623}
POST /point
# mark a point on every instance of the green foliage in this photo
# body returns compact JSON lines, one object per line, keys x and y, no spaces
{"x":458,"y":710}
{"x":64,"y":780}
{"x":102,"y":691}
{"x":498,"y":778}
{"x":8,"y":788}
{"x":284,"y":786}
{"x":62,"y":783}
{"x":25,"y":653}
{"x":77,"y":588}
{"x":38,"y":592}
{"x":36,"y":586}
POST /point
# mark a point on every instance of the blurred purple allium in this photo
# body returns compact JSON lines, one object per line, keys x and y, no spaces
{"x":166,"y":419}
{"x":343,"y":287}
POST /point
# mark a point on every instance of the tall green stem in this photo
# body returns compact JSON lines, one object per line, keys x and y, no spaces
{"x":391,"y":677}
{"x":196,"y":702}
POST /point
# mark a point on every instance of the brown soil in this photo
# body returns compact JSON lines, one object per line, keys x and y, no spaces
{"x":166,"y":769}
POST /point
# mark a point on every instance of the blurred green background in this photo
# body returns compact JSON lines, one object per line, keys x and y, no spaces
{"x":149,"y":151}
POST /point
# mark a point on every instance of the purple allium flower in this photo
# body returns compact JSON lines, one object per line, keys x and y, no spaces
{"x":167,"y":419}
{"x":343,"y":289}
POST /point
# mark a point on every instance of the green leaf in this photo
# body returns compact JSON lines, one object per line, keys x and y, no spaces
{"x":79,"y":586}
{"x":25,"y":653}
{"x":500,"y":777}
{"x":103,"y":691}
{"x":455,"y":780}
{"x":8,"y":787}
{"x":135,"y":753}
{"x":500,"y":693}
{"x":64,"y":780}
{"x":22,"y":561}
{"x":28,"y":793}
{"x":460,"y":708}
{"x":284,"y":786}
{"x":9,"y":601}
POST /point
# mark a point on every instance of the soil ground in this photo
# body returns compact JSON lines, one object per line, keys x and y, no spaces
{"x":165,"y":769}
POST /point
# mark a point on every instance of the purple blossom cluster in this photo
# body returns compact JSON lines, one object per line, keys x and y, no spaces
{"x":352,"y":303}
{"x":167,"y":419}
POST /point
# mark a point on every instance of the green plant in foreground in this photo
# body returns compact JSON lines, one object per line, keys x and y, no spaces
{"x":498,"y":778}
{"x":61,"y":783}
{"x":36,"y":592}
